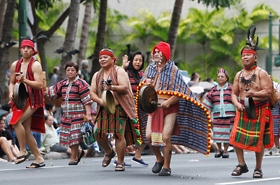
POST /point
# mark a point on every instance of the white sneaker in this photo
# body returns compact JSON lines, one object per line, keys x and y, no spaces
{"x":268,"y":153}
{"x":277,"y":151}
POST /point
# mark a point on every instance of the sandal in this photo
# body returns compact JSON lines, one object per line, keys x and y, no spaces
{"x":120,"y":167}
{"x":106,"y":162}
{"x":257,"y":173}
{"x":239,"y":170}
{"x":219,"y":154}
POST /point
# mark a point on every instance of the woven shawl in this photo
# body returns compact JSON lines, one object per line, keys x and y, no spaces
{"x":193,"y":119}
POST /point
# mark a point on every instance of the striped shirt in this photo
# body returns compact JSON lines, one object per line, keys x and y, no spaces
{"x":75,"y":95}
{"x":218,"y":100}
{"x":133,"y":83}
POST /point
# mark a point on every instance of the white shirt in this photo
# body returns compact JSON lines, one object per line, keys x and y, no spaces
{"x":49,"y":138}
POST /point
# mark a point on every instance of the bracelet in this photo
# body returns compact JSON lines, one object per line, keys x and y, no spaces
{"x":112,"y":88}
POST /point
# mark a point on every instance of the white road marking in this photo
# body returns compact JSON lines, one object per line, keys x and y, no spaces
{"x":249,"y":181}
{"x":19,"y":169}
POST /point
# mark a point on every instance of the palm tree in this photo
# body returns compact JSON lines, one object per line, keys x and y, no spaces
{"x":100,"y":36}
{"x":84,"y":33}
{"x":70,"y":36}
{"x":6,"y":38}
{"x":3,"y":5}
{"x":172,"y":35}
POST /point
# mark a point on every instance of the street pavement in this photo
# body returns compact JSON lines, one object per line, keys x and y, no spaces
{"x":186,"y":169}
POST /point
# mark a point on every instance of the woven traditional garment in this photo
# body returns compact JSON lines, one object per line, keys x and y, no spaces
{"x":127,"y":107}
{"x":276,"y":120}
{"x":75,"y":96}
{"x":35,"y":101}
{"x":193,"y":119}
{"x":249,"y":134}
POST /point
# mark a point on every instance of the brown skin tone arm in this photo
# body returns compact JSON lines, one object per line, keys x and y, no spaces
{"x":235,"y":93}
{"x":167,"y":103}
{"x":93,"y":91}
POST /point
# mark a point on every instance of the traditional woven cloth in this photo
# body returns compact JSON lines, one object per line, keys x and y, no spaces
{"x":35,"y":101}
{"x":221,"y":129}
{"x":127,"y":106}
{"x":249,"y":134}
{"x":276,"y":120}
{"x":75,"y":96}
{"x":193,"y":119}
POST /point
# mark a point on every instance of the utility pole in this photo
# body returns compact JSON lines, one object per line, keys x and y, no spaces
{"x":22,"y":19}
{"x":269,"y":66}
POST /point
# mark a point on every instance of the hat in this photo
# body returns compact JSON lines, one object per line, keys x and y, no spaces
{"x":222,"y":71}
{"x":164,"y":48}
{"x":27,"y":42}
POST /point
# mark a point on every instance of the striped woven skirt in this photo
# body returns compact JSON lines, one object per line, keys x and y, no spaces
{"x":250,"y":134}
{"x":276,"y":120}
{"x":110,"y":123}
{"x":70,"y":130}
{"x":221,"y":129}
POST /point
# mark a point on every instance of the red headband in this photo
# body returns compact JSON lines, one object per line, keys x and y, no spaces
{"x":29,"y":43}
{"x":249,"y":51}
{"x":105,"y":52}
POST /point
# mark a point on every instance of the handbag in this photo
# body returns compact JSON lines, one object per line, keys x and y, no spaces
{"x":87,"y":132}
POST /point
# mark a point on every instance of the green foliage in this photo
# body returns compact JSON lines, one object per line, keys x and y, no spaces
{"x":48,"y":18}
{"x":52,"y":62}
{"x":217,"y":3}
{"x":44,"y":4}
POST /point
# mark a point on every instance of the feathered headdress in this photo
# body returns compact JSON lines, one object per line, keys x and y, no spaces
{"x":252,"y":42}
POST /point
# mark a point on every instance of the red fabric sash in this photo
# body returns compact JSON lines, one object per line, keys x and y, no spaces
{"x":37,"y":120}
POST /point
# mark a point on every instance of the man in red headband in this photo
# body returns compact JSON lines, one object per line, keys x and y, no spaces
{"x":28,"y":71}
{"x":253,"y":134}
{"x":170,"y":122}
{"x":121,"y":122}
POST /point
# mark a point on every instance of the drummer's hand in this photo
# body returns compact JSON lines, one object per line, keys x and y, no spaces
{"x":11,"y":97}
{"x":164,"y":105}
{"x":19,"y":77}
{"x":107,"y":87}
{"x":149,"y":81}
{"x":240,"y":107}
{"x":125,"y":62}
{"x":89,"y":118}
{"x":249,"y":93}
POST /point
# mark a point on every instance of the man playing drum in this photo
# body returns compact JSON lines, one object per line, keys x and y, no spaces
{"x":27,"y":70}
{"x":177,"y":111}
{"x":121,"y":122}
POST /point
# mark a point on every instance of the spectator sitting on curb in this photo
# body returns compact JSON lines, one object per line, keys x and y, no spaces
{"x":7,"y":143}
{"x":50,"y":140}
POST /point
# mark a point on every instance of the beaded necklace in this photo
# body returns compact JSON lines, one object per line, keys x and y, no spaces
{"x":250,"y":81}
{"x":252,"y":67}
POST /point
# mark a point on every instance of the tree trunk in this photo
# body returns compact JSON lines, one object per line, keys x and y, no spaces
{"x":4,"y":51}
{"x":3,"y":5}
{"x":100,"y":36}
{"x":84,"y":34}
{"x":172,"y":35}
{"x":70,"y":36}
